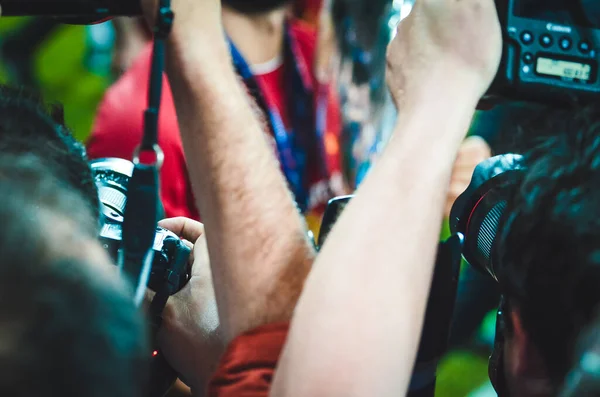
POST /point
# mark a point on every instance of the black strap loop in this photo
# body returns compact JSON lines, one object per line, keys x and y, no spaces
{"x":140,"y":218}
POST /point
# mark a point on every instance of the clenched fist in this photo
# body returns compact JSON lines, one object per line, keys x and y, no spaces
{"x":194,"y":19}
{"x":456,"y":42}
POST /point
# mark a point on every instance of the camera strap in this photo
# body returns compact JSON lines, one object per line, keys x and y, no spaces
{"x":140,"y":217}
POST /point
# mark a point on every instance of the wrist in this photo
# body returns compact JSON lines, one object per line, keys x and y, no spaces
{"x":442,"y":114}
{"x":197,"y":51}
{"x":196,"y":72}
{"x":445,"y":84}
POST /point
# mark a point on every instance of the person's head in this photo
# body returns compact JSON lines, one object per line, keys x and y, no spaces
{"x":255,"y":6}
{"x":68,"y":323}
{"x":584,"y":378}
{"x":549,"y":253}
{"x":28,"y":126}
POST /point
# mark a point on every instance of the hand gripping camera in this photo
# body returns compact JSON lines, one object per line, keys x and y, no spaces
{"x":170,"y":271}
{"x":112,"y":176}
{"x":551,"y":51}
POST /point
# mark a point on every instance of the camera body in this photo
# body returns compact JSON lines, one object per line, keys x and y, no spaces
{"x":167,"y":248}
{"x":84,"y":11}
{"x":551,"y":51}
{"x":112,"y":177}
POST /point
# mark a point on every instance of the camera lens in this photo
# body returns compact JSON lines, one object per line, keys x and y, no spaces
{"x":112,"y":176}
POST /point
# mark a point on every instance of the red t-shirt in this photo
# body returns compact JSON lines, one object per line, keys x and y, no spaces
{"x":119,"y":127}
{"x":247,"y":367}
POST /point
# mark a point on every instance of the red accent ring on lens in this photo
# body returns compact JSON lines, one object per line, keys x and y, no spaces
{"x":473,"y":211}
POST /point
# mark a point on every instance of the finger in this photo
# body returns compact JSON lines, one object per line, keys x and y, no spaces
{"x":191,"y":247}
{"x":188,"y":244}
{"x":183,"y":227}
{"x":460,"y":184}
{"x":466,"y":167}
{"x":148,"y":300}
{"x":471,"y":159}
{"x":475,"y":144}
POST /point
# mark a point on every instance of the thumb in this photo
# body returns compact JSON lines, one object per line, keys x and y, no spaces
{"x":185,"y":228}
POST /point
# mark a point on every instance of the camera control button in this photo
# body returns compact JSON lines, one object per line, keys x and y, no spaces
{"x":546,"y":41}
{"x":585,"y":47}
{"x":566,"y":43}
{"x":527,"y":37}
{"x":528,"y":58}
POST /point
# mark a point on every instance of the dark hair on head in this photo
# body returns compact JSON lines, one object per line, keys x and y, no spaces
{"x":29,"y":126}
{"x":68,"y":328}
{"x":27,"y":175}
{"x":549,"y":249}
{"x":584,"y":377}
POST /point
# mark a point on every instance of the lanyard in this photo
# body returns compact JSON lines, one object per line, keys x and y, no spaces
{"x":303,"y":145}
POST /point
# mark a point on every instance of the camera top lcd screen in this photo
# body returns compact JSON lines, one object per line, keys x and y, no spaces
{"x":564,"y":69}
{"x":564,"y":12}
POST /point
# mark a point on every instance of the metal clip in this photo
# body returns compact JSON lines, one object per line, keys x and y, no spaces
{"x":159,"y":156}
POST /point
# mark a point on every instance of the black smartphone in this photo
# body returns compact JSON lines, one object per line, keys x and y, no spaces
{"x":332,"y":213}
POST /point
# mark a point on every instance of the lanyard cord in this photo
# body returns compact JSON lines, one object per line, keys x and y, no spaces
{"x":141,"y":209}
{"x":301,"y":151}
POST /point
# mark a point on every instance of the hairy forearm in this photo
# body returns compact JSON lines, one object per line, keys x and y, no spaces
{"x":256,"y":236}
{"x":358,"y":323}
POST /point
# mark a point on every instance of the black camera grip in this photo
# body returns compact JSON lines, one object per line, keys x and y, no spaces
{"x":175,"y":277}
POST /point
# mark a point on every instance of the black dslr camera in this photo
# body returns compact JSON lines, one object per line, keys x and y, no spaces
{"x":84,"y":10}
{"x":112,"y":176}
{"x":551,"y":51}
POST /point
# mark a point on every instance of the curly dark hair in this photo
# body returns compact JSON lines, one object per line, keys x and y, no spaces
{"x":549,"y":248}
{"x":67,"y":329}
{"x":30,"y":126}
{"x":582,"y":380}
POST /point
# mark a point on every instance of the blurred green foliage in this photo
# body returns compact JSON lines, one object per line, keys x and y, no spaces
{"x":460,"y":373}
{"x":61,"y":73}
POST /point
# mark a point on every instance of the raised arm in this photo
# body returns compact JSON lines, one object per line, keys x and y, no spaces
{"x":357,"y":326}
{"x":256,"y":237}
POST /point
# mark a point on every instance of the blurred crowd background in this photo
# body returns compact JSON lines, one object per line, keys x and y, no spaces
{"x":76,"y":64}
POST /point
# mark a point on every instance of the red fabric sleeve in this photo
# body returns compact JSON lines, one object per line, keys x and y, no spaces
{"x":247,"y":368}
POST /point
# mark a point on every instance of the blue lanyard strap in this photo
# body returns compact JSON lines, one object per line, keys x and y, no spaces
{"x":304,"y":144}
